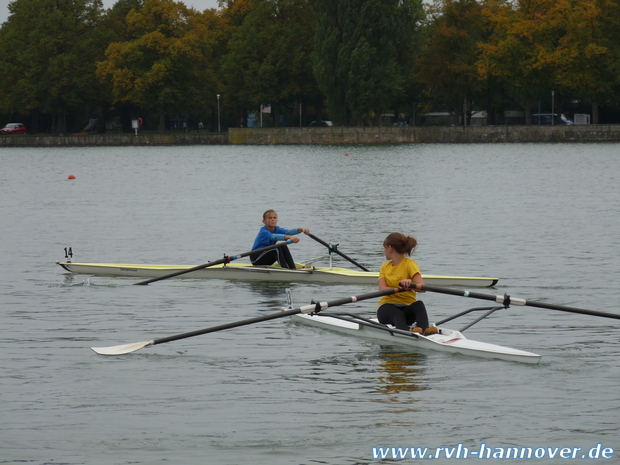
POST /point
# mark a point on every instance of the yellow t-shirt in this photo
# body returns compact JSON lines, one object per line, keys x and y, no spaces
{"x":406,"y":269}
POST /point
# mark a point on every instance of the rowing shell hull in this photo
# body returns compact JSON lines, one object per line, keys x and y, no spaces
{"x":247,"y":272}
{"x":447,"y":341}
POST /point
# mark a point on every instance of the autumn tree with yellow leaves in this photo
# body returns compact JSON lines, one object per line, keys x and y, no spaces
{"x":540,"y":46}
{"x":166,"y":65}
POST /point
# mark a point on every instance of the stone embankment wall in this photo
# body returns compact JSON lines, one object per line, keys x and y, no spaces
{"x":335,"y":135}
{"x":103,"y":140}
{"x":425,"y":135}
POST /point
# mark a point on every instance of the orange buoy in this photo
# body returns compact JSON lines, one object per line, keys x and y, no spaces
{"x":346,"y":154}
{"x":71,"y":177}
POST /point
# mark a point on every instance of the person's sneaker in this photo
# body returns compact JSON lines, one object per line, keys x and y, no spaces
{"x":430,"y":330}
{"x":417,"y":330}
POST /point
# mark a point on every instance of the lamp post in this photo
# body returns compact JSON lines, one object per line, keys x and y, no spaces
{"x":218,"y":113}
{"x":552,"y":107}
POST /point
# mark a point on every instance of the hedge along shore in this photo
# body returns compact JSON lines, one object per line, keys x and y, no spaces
{"x":334,"y":136}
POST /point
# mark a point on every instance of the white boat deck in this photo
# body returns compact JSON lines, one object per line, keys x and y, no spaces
{"x":447,"y":340}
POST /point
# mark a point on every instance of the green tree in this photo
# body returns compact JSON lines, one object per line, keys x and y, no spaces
{"x":48,"y":60}
{"x":326,"y":58}
{"x":448,"y":67}
{"x":166,"y":64}
{"x":610,"y":27}
{"x":115,"y":19}
{"x":364,"y":53}
{"x":269,"y":56}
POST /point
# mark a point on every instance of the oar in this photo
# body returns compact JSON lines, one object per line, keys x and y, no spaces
{"x":312,"y":308}
{"x":507,"y":300}
{"x":226,"y":259}
{"x":334,"y":249}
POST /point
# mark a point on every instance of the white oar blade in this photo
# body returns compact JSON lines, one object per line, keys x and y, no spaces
{"x":122,"y":349}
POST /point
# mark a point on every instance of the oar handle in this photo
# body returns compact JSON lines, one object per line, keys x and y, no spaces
{"x":507,"y":300}
{"x":312,"y":308}
{"x":333,"y":249}
{"x":226,"y":259}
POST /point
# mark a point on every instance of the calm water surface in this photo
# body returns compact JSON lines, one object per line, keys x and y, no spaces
{"x":543,"y":218}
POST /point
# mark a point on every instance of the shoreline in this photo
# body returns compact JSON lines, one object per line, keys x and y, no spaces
{"x":334,"y":136}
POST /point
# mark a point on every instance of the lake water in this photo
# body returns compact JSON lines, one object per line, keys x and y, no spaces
{"x":543,"y":218}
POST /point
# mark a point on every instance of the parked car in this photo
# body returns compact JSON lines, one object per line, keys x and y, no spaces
{"x":323,"y":123}
{"x":13,"y":128}
{"x":546,"y":118}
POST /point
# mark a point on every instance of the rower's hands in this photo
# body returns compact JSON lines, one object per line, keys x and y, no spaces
{"x":292,"y":239}
{"x":303,"y":230}
{"x":406,"y":285}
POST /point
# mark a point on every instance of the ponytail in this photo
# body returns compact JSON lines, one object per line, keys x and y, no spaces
{"x":401,"y":243}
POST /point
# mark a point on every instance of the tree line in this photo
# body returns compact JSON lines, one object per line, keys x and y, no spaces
{"x":66,"y":63}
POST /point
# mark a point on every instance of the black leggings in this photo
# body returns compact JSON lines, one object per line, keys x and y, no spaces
{"x":401,"y":316}
{"x":282,"y":255}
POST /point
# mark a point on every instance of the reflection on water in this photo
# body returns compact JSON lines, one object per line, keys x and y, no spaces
{"x":273,"y":292}
{"x":401,"y":372}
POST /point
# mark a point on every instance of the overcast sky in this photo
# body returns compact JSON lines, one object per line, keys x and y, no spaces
{"x":197,"y":4}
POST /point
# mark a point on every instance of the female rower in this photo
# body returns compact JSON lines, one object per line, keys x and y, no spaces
{"x":268,"y":235}
{"x":402,"y":310}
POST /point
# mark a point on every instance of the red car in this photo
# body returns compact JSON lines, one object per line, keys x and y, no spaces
{"x":13,"y":128}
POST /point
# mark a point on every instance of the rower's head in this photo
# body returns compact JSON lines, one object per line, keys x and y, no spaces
{"x":400,"y":243}
{"x":270,"y":219}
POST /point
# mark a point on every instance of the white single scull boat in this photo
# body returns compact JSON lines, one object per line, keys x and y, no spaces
{"x":248,"y":272}
{"x":447,"y":340}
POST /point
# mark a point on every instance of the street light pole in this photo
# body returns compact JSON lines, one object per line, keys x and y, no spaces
{"x":552,"y":107}
{"x":218,"y":113}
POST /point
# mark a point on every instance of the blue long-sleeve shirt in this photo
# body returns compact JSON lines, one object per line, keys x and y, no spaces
{"x":266,"y":238}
